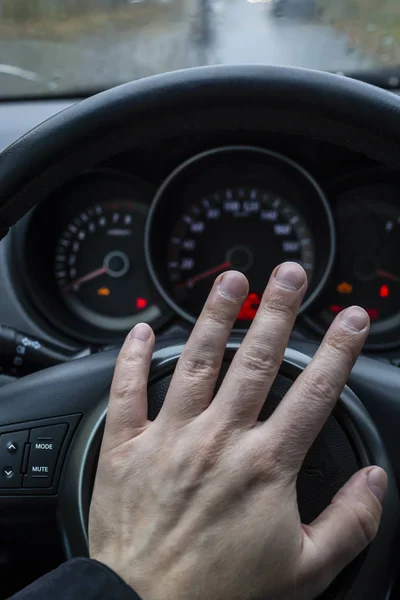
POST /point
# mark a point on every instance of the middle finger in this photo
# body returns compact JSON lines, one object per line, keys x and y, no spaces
{"x":193,"y":383}
{"x":256,"y":363}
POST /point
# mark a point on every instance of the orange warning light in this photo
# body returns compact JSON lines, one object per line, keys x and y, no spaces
{"x":103,"y":291}
{"x":384,"y":291}
{"x":344,"y":288}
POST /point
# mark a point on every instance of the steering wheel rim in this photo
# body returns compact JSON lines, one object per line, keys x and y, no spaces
{"x":231,"y":100}
{"x":328,"y":107}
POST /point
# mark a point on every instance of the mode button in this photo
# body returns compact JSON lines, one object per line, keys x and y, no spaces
{"x":45,"y":445}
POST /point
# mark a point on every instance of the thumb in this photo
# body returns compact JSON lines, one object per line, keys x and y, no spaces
{"x":344,"y":529}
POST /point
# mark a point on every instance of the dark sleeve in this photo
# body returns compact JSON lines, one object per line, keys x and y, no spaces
{"x":76,"y":579}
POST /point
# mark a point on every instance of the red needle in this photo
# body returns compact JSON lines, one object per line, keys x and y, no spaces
{"x":85,"y":278}
{"x":388,"y":275}
{"x":190,"y":282}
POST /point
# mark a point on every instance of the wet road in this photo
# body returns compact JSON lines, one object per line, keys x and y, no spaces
{"x":236,"y":31}
{"x":281,"y":41}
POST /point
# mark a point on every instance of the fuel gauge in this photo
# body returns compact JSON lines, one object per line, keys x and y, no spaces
{"x":367,"y":267}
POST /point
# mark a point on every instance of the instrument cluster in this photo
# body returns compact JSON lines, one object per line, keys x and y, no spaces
{"x":112,"y":249}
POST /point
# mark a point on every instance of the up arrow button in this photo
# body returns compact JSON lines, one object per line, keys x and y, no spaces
{"x":12,"y":446}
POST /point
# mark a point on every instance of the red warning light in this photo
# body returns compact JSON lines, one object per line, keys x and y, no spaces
{"x":141,"y":303}
{"x":384,"y":291}
{"x":373,"y":313}
{"x":250,"y":307}
{"x":336,"y":308}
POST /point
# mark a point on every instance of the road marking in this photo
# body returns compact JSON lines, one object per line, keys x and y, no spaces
{"x":28,"y":75}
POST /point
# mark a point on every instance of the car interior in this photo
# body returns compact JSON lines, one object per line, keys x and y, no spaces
{"x":122,"y":207}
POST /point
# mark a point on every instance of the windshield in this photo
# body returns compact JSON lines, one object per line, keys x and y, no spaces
{"x":60,"y":47}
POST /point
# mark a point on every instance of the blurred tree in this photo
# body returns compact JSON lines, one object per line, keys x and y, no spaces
{"x":21,"y":10}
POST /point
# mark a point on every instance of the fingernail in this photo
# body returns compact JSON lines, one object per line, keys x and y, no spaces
{"x":290,"y":276}
{"x":141,"y":332}
{"x":233,"y":285}
{"x":377,"y":483}
{"x":354,"y":318}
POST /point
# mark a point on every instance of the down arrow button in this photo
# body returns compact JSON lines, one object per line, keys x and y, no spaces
{"x":11,"y":452}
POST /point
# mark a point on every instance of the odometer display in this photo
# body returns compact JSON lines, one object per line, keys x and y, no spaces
{"x":247,"y":228}
{"x":238,"y":208}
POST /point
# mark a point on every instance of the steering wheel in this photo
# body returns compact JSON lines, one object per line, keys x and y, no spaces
{"x":58,"y":414}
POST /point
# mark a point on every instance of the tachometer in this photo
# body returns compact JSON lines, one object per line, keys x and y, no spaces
{"x":236,"y":208}
{"x":82,"y":250}
{"x":98,"y":265}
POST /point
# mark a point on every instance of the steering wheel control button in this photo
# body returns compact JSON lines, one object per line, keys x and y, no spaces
{"x":45,"y":445}
{"x":11,"y":454}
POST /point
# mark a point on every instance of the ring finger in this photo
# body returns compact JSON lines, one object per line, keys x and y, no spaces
{"x":303,"y":411}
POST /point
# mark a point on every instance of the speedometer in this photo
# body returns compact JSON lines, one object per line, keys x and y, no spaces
{"x":228,"y":229}
{"x":237,"y":208}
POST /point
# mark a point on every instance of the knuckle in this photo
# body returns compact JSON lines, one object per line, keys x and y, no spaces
{"x":129,"y":362}
{"x":280,"y":452}
{"x":273,"y":458}
{"x":366,"y":521}
{"x":320,"y":386}
{"x":129,"y":376}
{"x":124,"y":387}
{"x":266,"y":465}
{"x":219,"y":314}
{"x":342,"y":349}
{"x":199,"y":365}
{"x":276,"y":308}
{"x":261,"y":364}
{"x":211,"y":447}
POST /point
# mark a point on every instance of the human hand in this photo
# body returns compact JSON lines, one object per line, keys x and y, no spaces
{"x":179,"y":505}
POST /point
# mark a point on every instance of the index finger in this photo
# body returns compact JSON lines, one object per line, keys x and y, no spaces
{"x":127,"y":407}
{"x":303,"y":411}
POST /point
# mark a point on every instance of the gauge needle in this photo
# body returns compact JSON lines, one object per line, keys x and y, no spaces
{"x":190,"y":282}
{"x":388,"y":275}
{"x":85,"y":278}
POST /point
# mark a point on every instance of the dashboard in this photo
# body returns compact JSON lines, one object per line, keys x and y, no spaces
{"x":121,"y":244}
{"x":141,"y":237}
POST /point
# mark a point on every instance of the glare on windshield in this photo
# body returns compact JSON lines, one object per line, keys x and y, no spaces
{"x":70,"y":46}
